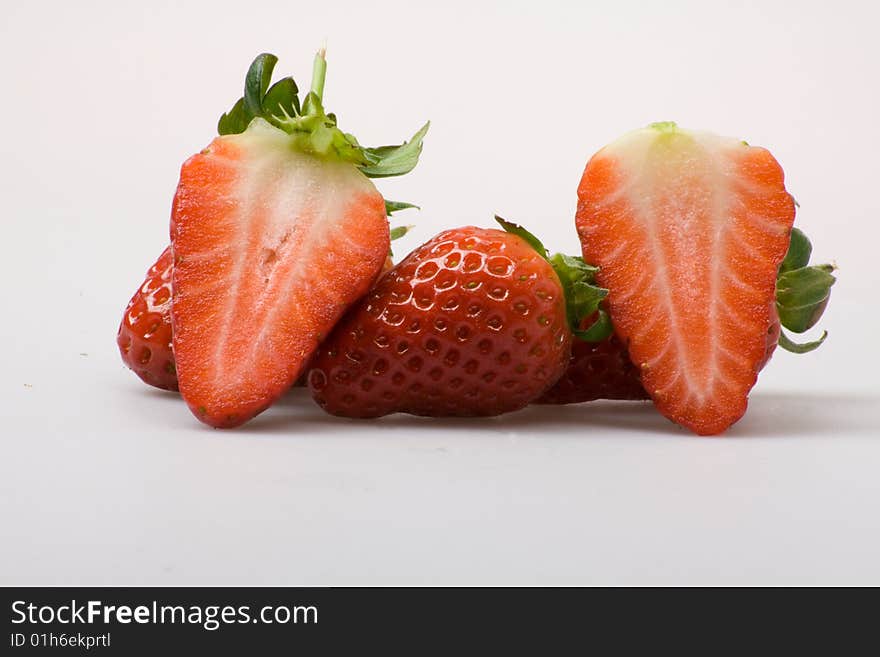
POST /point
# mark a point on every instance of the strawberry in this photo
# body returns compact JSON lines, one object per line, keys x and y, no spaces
{"x":597,"y":370}
{"x":603,"y":370}
{"x":690,"y":231}
{"x":144,"y":336}
{"x":473,"y":322}
{"x":154,"y":362}
{"x":276,"y":229}
{"x":599,"y":367}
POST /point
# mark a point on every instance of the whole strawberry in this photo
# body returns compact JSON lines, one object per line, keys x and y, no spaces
{"x":472,"y":323}
{"x":598,"y":370}
{"x":144,"y":336}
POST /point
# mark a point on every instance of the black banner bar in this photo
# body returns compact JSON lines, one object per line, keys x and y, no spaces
{"x":413,"y":621}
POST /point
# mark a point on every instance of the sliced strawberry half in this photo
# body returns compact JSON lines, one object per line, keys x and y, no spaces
{"x":688,"y":230}
{"x":276,"y":229}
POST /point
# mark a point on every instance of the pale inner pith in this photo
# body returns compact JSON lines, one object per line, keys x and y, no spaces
{"x":686,"y":196}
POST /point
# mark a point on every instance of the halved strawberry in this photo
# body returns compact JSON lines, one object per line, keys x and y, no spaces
{"x":600,"y":366}
{"x":144,"y":335}
{"x":276,"y":229}
{"x":688,"y":230}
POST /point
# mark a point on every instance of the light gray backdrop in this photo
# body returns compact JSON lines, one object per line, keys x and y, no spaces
{"x":103,"y":481}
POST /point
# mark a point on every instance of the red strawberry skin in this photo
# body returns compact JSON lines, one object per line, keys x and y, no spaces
{"x":271,"y":246}
{"x":688,"y":230}
{"x":598,"y":370}
{"x":144,"y":335}
{"x":472,"y":323}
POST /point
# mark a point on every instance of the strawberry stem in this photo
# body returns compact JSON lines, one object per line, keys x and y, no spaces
{"x":319,"y":71}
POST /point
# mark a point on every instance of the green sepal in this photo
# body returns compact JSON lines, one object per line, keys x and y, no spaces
{"x":519,"y":231}
{"x":261,"y":100}
{"x":804,"y":286}
{"x":572,"y":267}
{"x":235,"y":120}
{"x":583,"y":301}
{"x":802,"y":295}
{"x":582,"y":297}
{"x":799,"y":251}
{"x":399,"y":231}
{"x":387,"y":161}
{"x":312,"y":105}
{"x":256,"y":83}
{"x":282,"y":98}
{"x":395,"y":206}
{"x":598,"y":331}
{"x":800,"y":348}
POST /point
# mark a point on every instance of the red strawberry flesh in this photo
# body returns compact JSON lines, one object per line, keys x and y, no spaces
{"x":688,"y":230}
{"x":271,"y":246}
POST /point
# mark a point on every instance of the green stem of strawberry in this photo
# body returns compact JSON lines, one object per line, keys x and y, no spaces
{"x":319,"y":71}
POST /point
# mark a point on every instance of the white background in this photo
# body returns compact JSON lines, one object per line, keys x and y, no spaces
{"x":103,"y":481}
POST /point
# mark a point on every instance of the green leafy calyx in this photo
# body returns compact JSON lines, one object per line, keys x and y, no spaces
{"x":802,"y":293}
{"x":799,"y":251}
{"x":800,"y":347}
{"x":582,"y":296}
{"x":312,"y":129}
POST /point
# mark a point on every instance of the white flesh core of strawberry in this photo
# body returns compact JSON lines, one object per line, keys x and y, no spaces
{"x":282,"y":204}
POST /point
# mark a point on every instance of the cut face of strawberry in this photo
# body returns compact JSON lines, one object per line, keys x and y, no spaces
{"x":688,"y":230}
{"x":600,"y":366}
{"x":270,"y":246}
{"x":145,"y":336}
{"x":276,"y":229}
